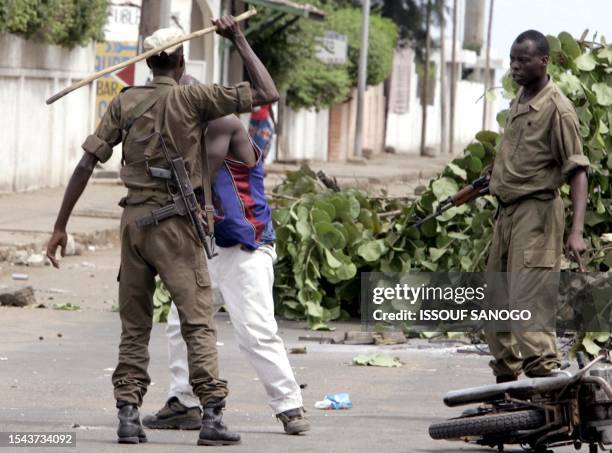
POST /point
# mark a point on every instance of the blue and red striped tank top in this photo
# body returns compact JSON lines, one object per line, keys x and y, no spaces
{"x":242,"y":213}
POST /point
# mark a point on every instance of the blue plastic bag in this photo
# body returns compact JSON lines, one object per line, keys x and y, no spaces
{"x":335,"y":401}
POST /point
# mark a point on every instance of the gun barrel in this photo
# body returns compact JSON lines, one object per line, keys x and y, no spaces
{"x":157,"y":215}
{"x":442,"y":207}
{"x":425,"y":219}
{"x":475,"y":189}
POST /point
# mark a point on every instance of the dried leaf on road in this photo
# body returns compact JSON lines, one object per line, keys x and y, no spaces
{"x":377,"y":360}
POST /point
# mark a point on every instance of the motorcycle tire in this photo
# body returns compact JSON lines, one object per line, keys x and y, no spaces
{"x":487,"y":424}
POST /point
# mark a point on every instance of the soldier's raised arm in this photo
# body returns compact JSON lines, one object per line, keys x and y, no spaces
{"x":263,"y":89}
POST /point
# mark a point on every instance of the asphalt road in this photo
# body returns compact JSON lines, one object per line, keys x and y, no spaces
{"x":62,"y":382}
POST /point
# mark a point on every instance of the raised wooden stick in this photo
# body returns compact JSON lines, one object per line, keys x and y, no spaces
{"x":196,"y":34}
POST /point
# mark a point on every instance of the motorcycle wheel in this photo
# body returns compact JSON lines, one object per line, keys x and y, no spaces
{"x":487,"y":424}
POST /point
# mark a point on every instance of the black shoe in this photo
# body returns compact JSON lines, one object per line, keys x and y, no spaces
{"x":130,"y":430}
{"x":294,"y":421}
{"x":174,"y":415}
{"x":214,"y":431}
{"x":552,"y":373}
{"x":503,"y":379}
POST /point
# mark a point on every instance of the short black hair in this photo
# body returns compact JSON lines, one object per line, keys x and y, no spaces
{"x":166,"y":61}
{"x":540,"y":41}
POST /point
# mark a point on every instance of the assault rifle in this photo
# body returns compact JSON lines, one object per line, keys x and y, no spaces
{"x":184,"y":201}
{"x":470,"y":192}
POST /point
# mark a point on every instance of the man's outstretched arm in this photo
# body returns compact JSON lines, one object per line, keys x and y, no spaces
{"x":76,"y":186}
{"x":262,"y":86}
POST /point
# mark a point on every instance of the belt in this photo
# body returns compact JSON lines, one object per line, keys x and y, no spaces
{"x":538,"y":195}
{"x":145,"y":196}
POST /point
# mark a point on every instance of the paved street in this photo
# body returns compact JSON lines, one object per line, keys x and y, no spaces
{"x":53,"y":383}
{"x":405,"y":101}
{"x":62,"y":381}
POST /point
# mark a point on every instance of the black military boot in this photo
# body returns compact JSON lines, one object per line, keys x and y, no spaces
{"x":214,"y":431}
{"x":294,"y":421}
{"x":174,"y":415}
{"x":130,"y":430}
{"x":503,"y":379}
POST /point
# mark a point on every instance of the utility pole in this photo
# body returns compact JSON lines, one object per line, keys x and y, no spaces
{"x":442,"y":77}
{"x":487,"y":73}
{"x":453,"y":83}
{"x":164,"y":13}
{"x":424,"y":85}
{"x":149,"y":20}
{"x":362,"y":80}
{"x":154,"y":14}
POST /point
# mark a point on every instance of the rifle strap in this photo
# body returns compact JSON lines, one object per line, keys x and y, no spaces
{"x":141,"y":108}
{"x":144,"y":105}
{"x":209,"y":208}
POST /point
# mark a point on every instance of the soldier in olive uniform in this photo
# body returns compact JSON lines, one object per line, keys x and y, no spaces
{"x":170,"y":249}
{"x":540,"y":150}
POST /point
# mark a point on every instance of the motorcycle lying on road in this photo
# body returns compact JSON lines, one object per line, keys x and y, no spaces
{"x":537,"y":413}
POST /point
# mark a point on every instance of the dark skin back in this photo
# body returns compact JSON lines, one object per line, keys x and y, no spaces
{"x":529,"y":69}
{"x":227,"y":137}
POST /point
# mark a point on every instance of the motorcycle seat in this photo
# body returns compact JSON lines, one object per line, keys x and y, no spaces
{"x":517,"y":389}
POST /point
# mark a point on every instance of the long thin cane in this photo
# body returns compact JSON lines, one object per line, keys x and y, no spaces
{"x":144,"y":56}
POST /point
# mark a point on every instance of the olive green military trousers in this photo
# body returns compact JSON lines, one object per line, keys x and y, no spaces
{"x":527,"y":247}
{"x":170,"y":249}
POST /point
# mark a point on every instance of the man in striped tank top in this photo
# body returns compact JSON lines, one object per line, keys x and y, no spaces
{"x":244,"y":275}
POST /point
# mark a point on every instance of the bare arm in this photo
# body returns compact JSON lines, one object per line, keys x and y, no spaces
{"x":263,"y":89}
{"x":579,"y":190}
{"x":227,"y":137}
{"x":218,"y":135}
{"x":76,"y":186}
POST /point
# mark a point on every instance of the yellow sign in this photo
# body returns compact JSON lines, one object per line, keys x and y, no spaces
{"x":109,"y":54}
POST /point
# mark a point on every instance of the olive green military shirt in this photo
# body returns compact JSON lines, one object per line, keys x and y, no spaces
{"x":185,"y":108}
{"x":540,"y":148}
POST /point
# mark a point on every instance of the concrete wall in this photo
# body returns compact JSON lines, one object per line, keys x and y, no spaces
{"x":342,"y":119}
{"x":341,"y":131}
{"x":41,"y":144}
{"x":304,"y":135}
{"x":404,"y":129}
{"x":329,"y":134}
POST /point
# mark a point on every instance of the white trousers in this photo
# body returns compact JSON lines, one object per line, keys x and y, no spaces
{"x":244,"y":280}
